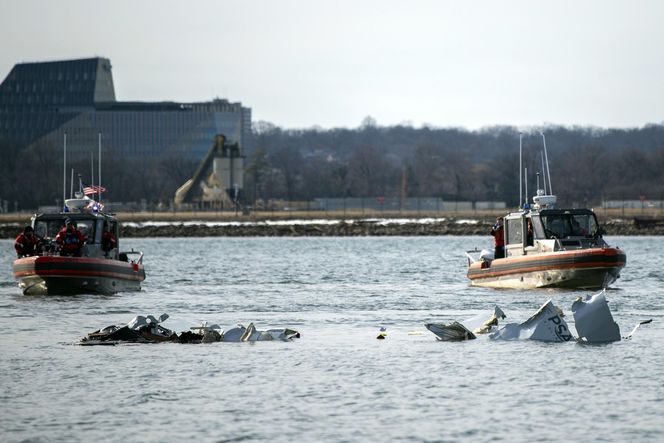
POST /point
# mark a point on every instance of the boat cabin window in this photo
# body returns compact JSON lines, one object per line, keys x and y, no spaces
{"x":87,"y":228}
{"x":569,"y":225}
{"x":514,"y":231}
{"x":112,"y":227}
{"x":538,"y":228}
{"x":48,"y":228}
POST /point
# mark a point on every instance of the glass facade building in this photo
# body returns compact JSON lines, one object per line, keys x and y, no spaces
{"x":40,"y":102}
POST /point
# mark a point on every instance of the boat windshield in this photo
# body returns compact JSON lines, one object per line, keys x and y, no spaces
{"x":50,"y":228}
{"x":569,"y":225}
{"x":87,"y":228}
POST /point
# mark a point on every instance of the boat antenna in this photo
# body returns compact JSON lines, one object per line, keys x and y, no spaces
{"x":546,"y":157}
{"x":520,"y":170}
{"x":92,"y":169}
{"x":525,"y":180}
{"x":542,"y":155}
{"x":99,"y":167}
{"x":64,"y":174}
{"x":71,"y":184}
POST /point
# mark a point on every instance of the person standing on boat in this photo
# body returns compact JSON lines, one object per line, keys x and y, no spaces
{"x":26,"y":243}
{"x":70,"y":239}
{"x":498,"y":232}
{"x":108,"y":241}
{"x":577,"y":229}
{"x":529,"y":233}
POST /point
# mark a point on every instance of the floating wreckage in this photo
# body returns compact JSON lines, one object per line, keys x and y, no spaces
{"x":546,"y":325}
{"x":466,"y":330}
{"x":592,"y":317}
{"x":148,"y":329}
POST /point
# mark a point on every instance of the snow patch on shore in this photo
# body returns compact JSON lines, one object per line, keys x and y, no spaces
{"x":378,"y":221}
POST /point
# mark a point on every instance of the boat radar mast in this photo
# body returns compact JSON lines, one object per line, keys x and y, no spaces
{"x":542,"y":201}
{"x":544,"y":197}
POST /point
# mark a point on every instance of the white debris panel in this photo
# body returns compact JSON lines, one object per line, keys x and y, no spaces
{"x":594,"y":322}
{"x":546,"y":325}
{"x":592,"y":319}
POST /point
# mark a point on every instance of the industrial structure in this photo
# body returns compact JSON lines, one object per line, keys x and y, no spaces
{"x":40,"y":102}
{"x":218,"y":181}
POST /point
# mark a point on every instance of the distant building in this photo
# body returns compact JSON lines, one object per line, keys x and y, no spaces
{"x":395,"y":204}
{"x":632,"y":204}
{"x":39,"y":102}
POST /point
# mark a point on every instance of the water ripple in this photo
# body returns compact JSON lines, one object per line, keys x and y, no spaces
{"x":337,"y":382}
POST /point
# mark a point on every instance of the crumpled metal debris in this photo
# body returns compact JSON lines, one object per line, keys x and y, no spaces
{"x":592,"y":319}
{"x":466,"y":330}
{"x":485,"y":322}
{"x":147,"y":329}
{"x":638,"y":325}
{"x":141,"y":329}
{"x":454,"y":331}
{"x":547,"y":324}
{"x":594,"y":322}
{"x":250,"y":333}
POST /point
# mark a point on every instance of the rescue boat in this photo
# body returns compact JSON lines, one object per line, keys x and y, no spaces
{"x":96,"y":270}
{"x":548,"y":247}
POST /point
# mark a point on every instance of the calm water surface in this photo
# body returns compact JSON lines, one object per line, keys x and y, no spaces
{"x":336,"y":383}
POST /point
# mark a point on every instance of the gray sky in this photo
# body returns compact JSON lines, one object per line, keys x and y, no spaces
{"x":303,"y":63}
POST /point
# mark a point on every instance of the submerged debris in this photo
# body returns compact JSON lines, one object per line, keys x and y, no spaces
{"x":250,"y":333}
{"x":466,"y":330}
{"x":592,"y":316}
{"x":454,"y":331}
{"x":638,"y":325}
{"x":149,"y":330}
{"x":139,"y":330}
{"x":594,"y":322}
{"x":547,"y":324}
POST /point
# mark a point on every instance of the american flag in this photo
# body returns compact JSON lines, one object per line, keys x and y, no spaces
{"x":93,"y":189}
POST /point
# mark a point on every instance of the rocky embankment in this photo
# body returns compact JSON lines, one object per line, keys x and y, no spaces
{"x":312,"y":229}
{"x":446,"y":226}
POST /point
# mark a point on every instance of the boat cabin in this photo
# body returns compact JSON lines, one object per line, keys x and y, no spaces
{"x":549,"y":230}
{"x":91,"y":224}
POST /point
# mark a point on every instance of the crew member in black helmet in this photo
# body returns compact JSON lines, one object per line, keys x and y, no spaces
{"x":26,"y":243}
{"x":70,"y":239}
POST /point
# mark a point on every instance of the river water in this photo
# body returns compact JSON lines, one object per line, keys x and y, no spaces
{"x":337,"y":382}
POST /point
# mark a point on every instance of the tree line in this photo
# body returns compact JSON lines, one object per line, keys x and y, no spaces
{"x":587,"y":165}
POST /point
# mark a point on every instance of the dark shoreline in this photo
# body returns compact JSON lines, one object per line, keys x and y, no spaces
{"x":345,"y":228}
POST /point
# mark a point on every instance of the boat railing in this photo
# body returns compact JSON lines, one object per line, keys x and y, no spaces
{"x":125,"y":256}
{"x":578,"y":243}
{"x":559,"y":245}
{"x":471,"y":259}
{"x":479,"y":255}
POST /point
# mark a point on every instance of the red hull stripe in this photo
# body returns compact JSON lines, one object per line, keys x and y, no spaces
{"x":609,"y":258}
{"x":82,"y":274}
{"x":73,"y":267}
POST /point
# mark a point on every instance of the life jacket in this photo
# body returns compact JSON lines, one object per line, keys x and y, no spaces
{"x":25,"y":245}
{"x":498,"y":233}
{"x":108,"y":241}
{"x":70,"y":241}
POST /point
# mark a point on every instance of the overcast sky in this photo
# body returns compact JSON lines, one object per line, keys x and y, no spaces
{"x":303,"y":63}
